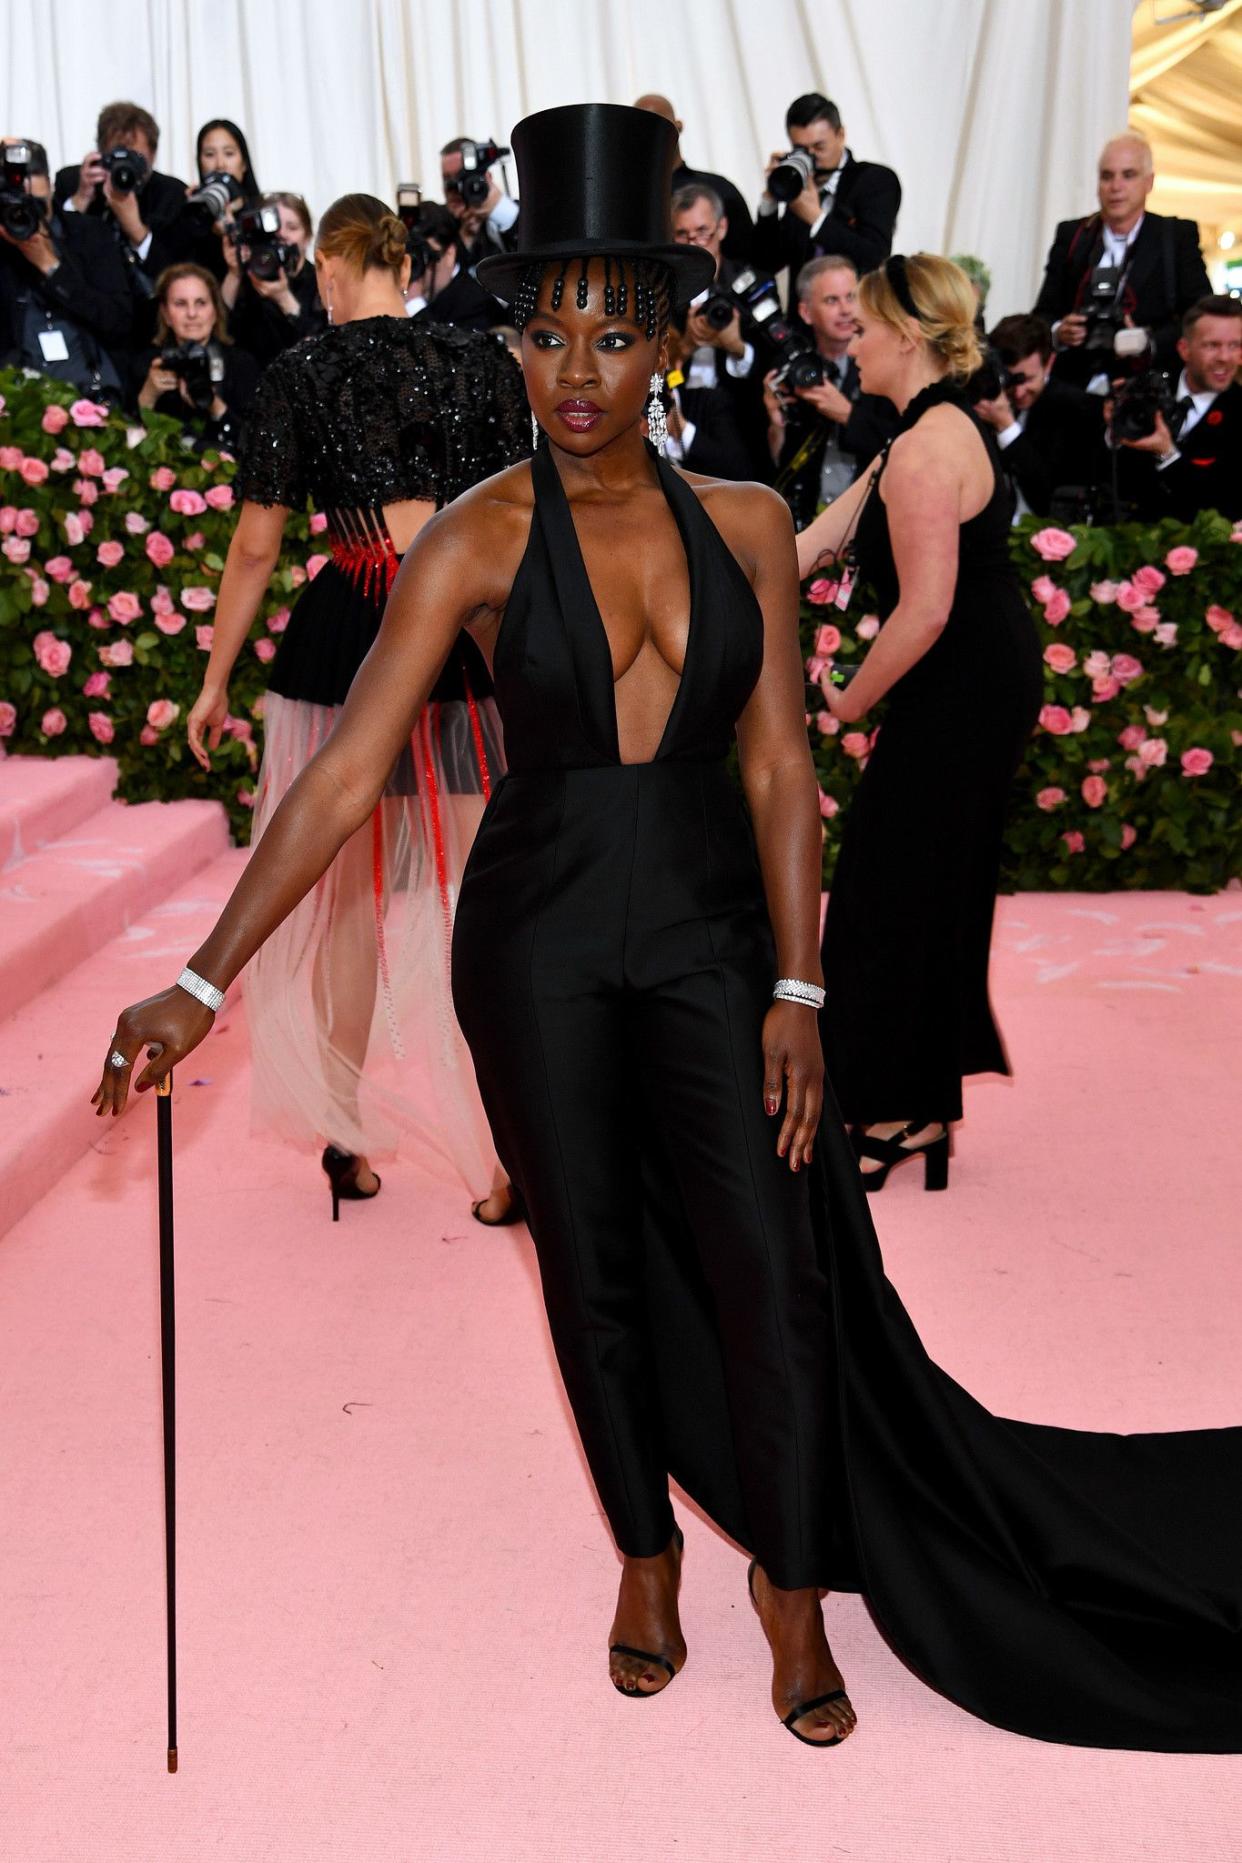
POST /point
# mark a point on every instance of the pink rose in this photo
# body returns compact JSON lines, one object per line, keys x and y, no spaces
{"x":162,"y":602}
{"x":1080,"y":718}
{"x":1129,"y":835}
{"x":220,"y":498}
{"x":114,"y":478}
{"x":39,"y":591}
{"x":87,"y":491}
{"x":1126,"y":668}
{"x":148,"y":736}
{"x":1154,"y":718}
{"x":1165,"y":635}
{"x":1197,"y":762}
{"x":97,"y":686}
{"x":1146,"y":619}
{"x":136,"y":524}
{"x":1057,"y":608}
{"x":124,"y":606}
{"x":1060,"y":658}
{"x":34,"y":471}
{"x":1218,"y":618}
{"x":1105,"y":593}
{"x":240,"y":728}
{"x":278,"y":622}
{"x":8,"y":519}
{"x":297,"y":575}
{"x":822,"y":592}
{"x":1097,"y":764}
{"x":1150,"y":579}
{"x":826,"y":724}
{"x":313,"y":566}
{"x":265,"y":648}
{"x":53,"y":722}
{"x":1131,"y":737}
{"x":1097,"y":665}
{"x":80,"y":594}
{"x":827,"y":640}
{"x":1094,"y":791}
{"x":1153,"y":752}
{"x":101,"y":727}
{"x":170,"y":624}
{"x":256,"y":710}
{"x":62,"y":460}
{"x":88,"y":414}
{"x":187,"y":504}
{"x":55,"y":419}
{"x":17,"y":549}
{"x":1232,"y":636}
{"x":856,"y":743}
{"x":868,"y":627}
{"x":1074,"y":843}
{"x":828,"y":805}
{"x":117,"y":653}
{"x":160,"y":714}
{"x":26,"y":523}
{"x":1049,"y":799}
{"x":1053,"y":545}
{"x":246,"y":797}
{"x":1056,"y":719}
{"x":8,"y":718}
{"x":75,"y":529}
{"x":1043,"y":589}
{"x":1129,"y":597}
{"x":160,"y":550}
{"x":198,"y":600}
{"x":318,"y":523}
{"x":110,"y":554}
{"x":163,"y":479}
{"x":92,"y":462}
{"x":52,"y":653}
{"x":11,"y":458}
{"x":204,"y":634}
{"x":1181,"y":559}
{"x":195,"y":540}
{"x":96,"y":617}
{"x":1105,"y":688}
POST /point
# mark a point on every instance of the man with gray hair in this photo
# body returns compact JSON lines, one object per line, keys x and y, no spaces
{"x":1119,"y":270}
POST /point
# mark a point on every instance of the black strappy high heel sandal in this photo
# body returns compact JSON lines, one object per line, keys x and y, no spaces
{"x":660,"y":1662}
{"x":803,"y":1707}
{"x":889,"y":1152}
{"x":342,"y":1171}
{"x":516,"y":1212}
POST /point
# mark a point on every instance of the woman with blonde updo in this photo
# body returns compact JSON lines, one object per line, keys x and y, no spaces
{"x":910,"y":911}
{"x":378,"y":421}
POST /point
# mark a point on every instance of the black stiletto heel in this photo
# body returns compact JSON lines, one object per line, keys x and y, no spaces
{"x":661,"y":1662}
{"x":803,"y":1707}
{"x":342,"y":1171}
{"x":890,"y":1152}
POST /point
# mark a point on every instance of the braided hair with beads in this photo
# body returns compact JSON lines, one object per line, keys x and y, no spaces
{"x":646,"y":282}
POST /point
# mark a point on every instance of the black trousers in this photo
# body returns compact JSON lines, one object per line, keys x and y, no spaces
{"x":612,"y":968}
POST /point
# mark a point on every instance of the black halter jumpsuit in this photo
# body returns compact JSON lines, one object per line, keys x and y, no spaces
{"x":716,"y":1316}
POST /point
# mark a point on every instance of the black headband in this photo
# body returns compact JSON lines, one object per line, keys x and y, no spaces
{"x":895,"y":272}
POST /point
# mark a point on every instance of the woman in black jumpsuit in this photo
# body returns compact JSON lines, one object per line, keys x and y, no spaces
{"x":717,"y":1314}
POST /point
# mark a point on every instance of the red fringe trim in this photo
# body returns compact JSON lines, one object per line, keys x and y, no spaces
{"x":372,"y":565}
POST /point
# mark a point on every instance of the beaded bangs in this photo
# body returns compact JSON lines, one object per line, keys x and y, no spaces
{"x":645,"y":283}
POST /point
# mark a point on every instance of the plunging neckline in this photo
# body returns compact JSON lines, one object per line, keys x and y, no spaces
{"x":596,"y":638}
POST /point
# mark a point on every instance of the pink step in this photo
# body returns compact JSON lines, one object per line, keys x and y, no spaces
{"x":43,"y":797}
{"x":51,"y":1051}
{"x":62,"y":903}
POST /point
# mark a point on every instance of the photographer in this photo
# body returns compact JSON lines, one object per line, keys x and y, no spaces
{"x":717,"y":424}
{"x":119,"y":183}
{"x":65,"y":301}
{"x":441,"y":289}
{"x":1191,"y":460}
{"x":226,"y":182}
{"x":740,"y":236}
{"x":823,"y":434}
{"x":196,"y":373}
{"x":820,"y":200}
{"x":1050,"y":432}
{"x":487,"y":219}
{"x":1120,"y":270}
{"x":269,"y":291}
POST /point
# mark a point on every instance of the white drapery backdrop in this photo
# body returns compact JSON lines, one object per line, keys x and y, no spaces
{"x":991,"y":111}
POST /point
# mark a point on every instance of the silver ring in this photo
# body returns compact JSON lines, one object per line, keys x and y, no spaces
{"x":117,"y":1059}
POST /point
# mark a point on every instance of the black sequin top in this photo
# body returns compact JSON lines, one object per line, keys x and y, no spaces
{"x":383,"y":409}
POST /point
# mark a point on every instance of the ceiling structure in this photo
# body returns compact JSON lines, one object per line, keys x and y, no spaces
{"x":1186,"y":96}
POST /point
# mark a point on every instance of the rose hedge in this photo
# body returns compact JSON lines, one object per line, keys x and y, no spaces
{"x":113,"y":539}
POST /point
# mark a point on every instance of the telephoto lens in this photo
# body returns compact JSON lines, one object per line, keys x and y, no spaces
{"x":791,"y":175}
{"x":212,"y":199}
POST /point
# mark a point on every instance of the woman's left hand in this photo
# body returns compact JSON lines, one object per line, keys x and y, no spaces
{"x":794,"y":1060}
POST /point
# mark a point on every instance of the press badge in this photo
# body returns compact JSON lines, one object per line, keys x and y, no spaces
{"x":845,"y":588}
{"x":54,"y":346}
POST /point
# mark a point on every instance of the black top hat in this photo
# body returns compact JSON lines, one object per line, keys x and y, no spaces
{"x":596,"y":180}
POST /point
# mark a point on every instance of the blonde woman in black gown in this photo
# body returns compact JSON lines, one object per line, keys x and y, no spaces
{"x":632,"y":956}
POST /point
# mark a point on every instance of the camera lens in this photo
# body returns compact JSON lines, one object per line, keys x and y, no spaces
{"x":791,"y":175}
{"x":21,"y":216}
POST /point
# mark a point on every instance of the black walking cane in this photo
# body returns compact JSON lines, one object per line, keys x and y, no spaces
{"x":168,"y":1378}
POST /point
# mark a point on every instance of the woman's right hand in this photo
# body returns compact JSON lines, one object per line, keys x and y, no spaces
{"x":169,"y":1026}
{"x":208,"y":715}
{"x":160,"y":381}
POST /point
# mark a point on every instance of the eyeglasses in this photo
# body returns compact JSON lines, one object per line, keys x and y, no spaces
{"x":696,"y":235}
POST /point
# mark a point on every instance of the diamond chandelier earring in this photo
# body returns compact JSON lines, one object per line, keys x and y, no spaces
{"x":657,"y":423}
{"x":331,"y":313}
{"x":535,"y":432}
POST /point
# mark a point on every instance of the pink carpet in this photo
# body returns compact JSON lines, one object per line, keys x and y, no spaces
{"x":395,"y":1585}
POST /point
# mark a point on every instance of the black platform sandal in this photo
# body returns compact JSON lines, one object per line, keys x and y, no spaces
{"x":342,"y":1172}
{"x":816,"y":1701}
{"x":660,"y":1662}
{"x":516,"y":1212}
{"x":889,"y":1152}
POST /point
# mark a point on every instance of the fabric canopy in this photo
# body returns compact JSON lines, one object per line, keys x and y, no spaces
{"x":1186,"y":90}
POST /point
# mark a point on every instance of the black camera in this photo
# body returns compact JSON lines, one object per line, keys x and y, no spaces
{"x":21,"y":213}
{"x":264,"y":253}
{"x":756,"y":296}
{"x":127,"y":170}
{"x":1136,"y":405}
{"x":717,"y":310}
{"x":1102,"y":308}
{"x":213,"y":197}
{"x":409,"y":204}
{"x":195,"y":365}
{"x":472,"y":182}
{"x":992,"y":378}
{"x":791,"y":175}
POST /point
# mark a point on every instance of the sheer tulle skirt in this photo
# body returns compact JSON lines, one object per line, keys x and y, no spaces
{"x":351,"y":1019}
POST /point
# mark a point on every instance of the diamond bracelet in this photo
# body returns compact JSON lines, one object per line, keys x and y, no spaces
{"x":793,"y":990}
{"x":198,"y":987}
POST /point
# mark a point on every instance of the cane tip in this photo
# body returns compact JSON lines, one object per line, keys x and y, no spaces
{"x":172,"y":1759}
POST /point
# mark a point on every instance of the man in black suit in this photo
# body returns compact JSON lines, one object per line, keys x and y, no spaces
{"x":739,"y":238}
{"x":847,"y":206}
{"x":716,"y":424}
{"x":1051,"y":433}
{"x":821,"y":438}
{"x":141,"y":221}
{"x":1200,"y":470}
{"x":444,"y":291}
{"x":489,"y":227}
{"x":1121,"y":266}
